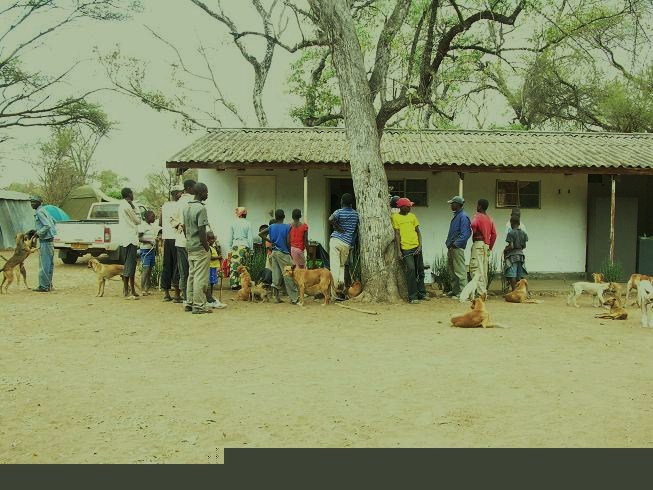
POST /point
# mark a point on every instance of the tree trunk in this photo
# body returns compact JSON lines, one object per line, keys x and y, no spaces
{"x":380,"y":268}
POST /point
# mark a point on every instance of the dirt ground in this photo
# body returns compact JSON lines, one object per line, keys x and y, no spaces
{"x":86,"y":380}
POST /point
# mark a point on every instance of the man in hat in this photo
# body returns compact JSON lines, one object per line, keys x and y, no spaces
{"x":177,"y":222}
{"x":128,"y":218}
{"x":409,"y":248}
{"x":484,"y":235}
{"x":46,"y":231}
{"x":170,"y":272}
{"x":459,"y":232}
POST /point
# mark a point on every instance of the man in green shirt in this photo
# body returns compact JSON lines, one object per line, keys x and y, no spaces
{"x":199,"y":256}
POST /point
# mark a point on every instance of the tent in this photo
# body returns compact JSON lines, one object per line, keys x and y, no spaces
{"x":57,"y":214}
{"x":16,"y":216}
{"x":80,"y":199}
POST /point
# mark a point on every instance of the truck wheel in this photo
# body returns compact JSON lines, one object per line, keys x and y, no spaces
{"x":70,"y":258}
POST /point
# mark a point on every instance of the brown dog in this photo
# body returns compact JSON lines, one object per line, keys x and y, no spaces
{"x":476,"y":318}
{"x":104,"y":272}
{"x":25,"y":245}
{"x":598,"y":278}
{"x":617,"y":312}
{"x":633,"y":282}
{"x":312,"y":282}
{"x":245,"y":291}
{"x":261,"y":292}
{"x":520,"y":294}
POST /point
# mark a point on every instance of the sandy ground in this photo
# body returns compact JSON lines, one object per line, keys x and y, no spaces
{"x":85,"y":379}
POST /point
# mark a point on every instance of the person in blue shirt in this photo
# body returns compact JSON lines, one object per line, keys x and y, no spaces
{"x":279,"y":237}
{"x":460,"y":230}
{"x":46,"y":231}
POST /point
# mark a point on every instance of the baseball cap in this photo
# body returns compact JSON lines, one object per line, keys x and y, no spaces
{"x":457,"y":200}
{"x":177,"y":188}
{"x":404,"y":202}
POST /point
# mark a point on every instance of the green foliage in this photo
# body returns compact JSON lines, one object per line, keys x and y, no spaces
{"x":440,"y":272}
{"x":255,"y":263}
{"x":30,"y":188}
{"x":494,"y":268}
{"x":612,"y":271}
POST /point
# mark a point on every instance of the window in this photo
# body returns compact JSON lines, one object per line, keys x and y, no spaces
{"x":518,"y":194}
{"x":413,"y":189}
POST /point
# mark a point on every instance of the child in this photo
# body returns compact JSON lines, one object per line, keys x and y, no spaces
{"x":147,"y":237}
{"x":298,"y":239}
{"x":266,"y":273}
{"x":215,"y":267}
{"x":514,"y":253}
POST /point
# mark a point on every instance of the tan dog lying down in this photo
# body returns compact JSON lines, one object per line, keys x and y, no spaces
{"x":520,"y":294}
{"x":617,"y":312}
{"x":478,"y":317}
{"x":104,"y":272}
{"x":312,"y":282}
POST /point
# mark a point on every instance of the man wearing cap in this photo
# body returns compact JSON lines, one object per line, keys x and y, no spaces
{"x":484,"y":235}
{"x":177,"y":222}
{"x":409,"y":248}
{"x":459,"y":232}
{"x":46,"y":231}
{"x":170,"y":272}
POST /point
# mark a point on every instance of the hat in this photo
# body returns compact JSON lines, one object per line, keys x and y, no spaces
{"x":401,"y":202}
{"x":36,"y":199}
{"x":177,"y":188}
{"x":457,"y":200}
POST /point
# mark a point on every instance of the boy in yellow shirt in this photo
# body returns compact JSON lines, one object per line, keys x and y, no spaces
{"x":409,"y":248}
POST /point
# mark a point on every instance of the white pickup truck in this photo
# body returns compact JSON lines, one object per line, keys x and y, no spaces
{"x":98,"y":234}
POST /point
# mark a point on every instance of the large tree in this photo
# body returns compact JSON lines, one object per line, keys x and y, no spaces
{"x":29,"y":96}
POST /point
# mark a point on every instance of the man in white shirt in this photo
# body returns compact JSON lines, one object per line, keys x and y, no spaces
{"x":128,"y":221}
{"x":170,"y":271}
{"x":177,"y":223}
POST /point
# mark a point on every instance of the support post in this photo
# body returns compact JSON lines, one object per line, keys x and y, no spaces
{"x":461,"y":183}
{"x":305,"y":195}
{"x":613,"y":206}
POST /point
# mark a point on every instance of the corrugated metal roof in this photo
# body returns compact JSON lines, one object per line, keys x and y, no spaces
{"x":13,"y":196}
{"x":512,"y":149}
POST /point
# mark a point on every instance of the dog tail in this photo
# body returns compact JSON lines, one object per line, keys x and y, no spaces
{"x":497,"y":325}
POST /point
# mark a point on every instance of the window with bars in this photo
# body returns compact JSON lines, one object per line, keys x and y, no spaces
{"x":413,"y":189}
{"x":518,"y":194}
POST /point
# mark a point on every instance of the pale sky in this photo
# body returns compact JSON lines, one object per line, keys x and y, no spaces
{"x":143,"y":138}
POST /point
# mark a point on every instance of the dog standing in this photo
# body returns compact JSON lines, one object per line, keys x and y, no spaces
{"x":645,"y":298}
{"x":633,"y":282}
{"x":245,"y":291}
{"x":312,"y":281}
{"x":25,"y":245}
{"x":617,"y":312}
{"x":596,"y":289}
{"x":104,"y":272}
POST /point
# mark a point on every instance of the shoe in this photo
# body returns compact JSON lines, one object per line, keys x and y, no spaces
{"x":201,"y":311}
{"x":217,"y":304}
{"x":450,"y":294}
{"x":414,"y":302}
{"x":41,"y":290}
{"x":424,"y":298}
{"x":131,"y":297}
{"x":167,"y":299}
{"x":188,"y":308}
{"x":177,"y":300}
{"x":455,"y":296}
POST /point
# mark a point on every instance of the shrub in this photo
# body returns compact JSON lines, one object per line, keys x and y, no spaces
{"x":440,"y":273}
{"x":612,"y":271}
{"x":255,"y":263}
{"x":494,"y":268}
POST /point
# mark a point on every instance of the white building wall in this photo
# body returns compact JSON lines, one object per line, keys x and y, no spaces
{"x":557,"y":231}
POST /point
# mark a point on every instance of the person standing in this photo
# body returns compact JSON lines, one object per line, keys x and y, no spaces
{"x":177,"y":222}
{"x":170,"y":271}
{"x":128,"y":220}
{"x":409,"y":248}
{"x":345,"y":224}
{"x":298,"y":239}
{"x":147,"y":234}
{"x":484,"y":235}
{"x":279,"y":233}
{"x":515,"y":213}
{"x":513,"y":254}
{"x":460,"y":230}
{"x":46,"y":231}
{"x":195,"y":221}
{"x":241,"y":244}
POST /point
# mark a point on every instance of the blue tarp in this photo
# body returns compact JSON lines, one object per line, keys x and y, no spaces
{"x":56,"y":213}
{"x":16,"y":216}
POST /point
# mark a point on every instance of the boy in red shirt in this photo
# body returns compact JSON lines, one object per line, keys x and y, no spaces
{"x":298,"y":239}
{"x":484,"y":235}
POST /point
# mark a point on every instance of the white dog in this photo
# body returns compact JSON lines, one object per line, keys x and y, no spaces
{"x":469,"y":291}
{"x":645,"y":299}
{"x":596,"y":289}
